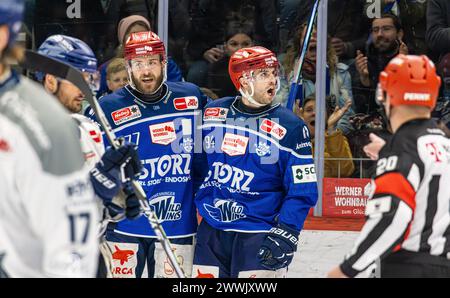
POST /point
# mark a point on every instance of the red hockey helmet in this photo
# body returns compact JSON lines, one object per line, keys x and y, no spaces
{"x":144,"y":44}
{"x":410,"y":80}
{"x":248,"y":59}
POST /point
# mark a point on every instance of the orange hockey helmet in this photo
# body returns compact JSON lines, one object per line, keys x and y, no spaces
{"x":410,"y":80}
{"x":248,"y":59}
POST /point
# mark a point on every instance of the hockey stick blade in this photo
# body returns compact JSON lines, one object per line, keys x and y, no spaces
{"x":37,"y":62}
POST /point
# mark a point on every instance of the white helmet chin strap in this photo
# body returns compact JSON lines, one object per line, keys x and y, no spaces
{"x":250,"y":98}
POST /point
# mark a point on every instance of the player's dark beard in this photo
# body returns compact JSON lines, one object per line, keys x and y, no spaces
{"x":140,"y":87}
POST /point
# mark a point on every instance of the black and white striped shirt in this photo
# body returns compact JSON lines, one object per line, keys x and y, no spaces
{"x":409,"y":209}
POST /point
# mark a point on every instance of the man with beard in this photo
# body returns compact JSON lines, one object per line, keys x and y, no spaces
{"x":102,"y":164}
{"x":159,"y":117}
{"x":385,"y":42}
{"x":47,"y":206}
{"x":261,"y":180}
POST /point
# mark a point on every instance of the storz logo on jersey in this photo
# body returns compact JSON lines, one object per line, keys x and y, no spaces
{"x":225,"y":210}
{"x":186,"y":103}
{"x":273,"y":128}
{"x":304,"y":174}
{"x":126,"y":114}
{"x":219,"y":114}
{"x":163,"y":133}
{"x":234,"y":144}
{"x":164,"y":206}
{"x":224,"y":173}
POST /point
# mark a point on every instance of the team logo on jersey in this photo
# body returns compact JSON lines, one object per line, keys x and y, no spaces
{"x":4,"y":146}
{"x":273,"y":128}
{"x":225,"y":210}
{"x":163,"y":133}
{"x":234,"y":144}
{"x":126,"y":114}
{"x":304,"y":174}
{"x":188,"y":144}
{"x":165,"y":208}
{"x":262,"y":149}
{"x":212,"y":114}
{"x":186,"y":103}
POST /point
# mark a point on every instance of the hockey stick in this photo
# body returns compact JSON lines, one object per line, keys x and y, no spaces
{"x":45,"y":64}
{"x":296,"y":88}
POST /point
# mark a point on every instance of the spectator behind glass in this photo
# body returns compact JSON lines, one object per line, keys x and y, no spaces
{"x":116,"y":74}
{"x":336,"y":144}
{"x":340,"y":80}
{"x":438,"y":27}
{"x":236,"y":37}
{"x":412,"y":14}
{"x":209,"y":19}
{"x":385,"y":42}
{"x":346,"y":38}
{"x":128,"y":25}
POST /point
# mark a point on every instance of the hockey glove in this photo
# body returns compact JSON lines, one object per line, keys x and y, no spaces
{"x":115,"y":167}
{"x":277,"y":250}
{"x":124,"y":160}
{"x":124,"y":203}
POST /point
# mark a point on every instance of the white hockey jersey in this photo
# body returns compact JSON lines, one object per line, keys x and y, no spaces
{"x":90,"y":139}
{"x":48,"y":211}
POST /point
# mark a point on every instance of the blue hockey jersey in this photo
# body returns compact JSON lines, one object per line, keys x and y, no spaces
{"x":260,"y":168}
{"x":164,"y":131}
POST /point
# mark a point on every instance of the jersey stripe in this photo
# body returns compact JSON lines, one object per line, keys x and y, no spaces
{"x":394,"y":183}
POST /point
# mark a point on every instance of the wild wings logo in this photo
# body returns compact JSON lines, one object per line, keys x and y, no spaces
{"x":225,"y":210}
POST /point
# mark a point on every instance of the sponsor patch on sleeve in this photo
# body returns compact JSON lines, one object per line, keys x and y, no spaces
{"x":126,"y":114}
{"x":304,"y":174}
{"x":215,"y":114}
{"x":274,"y":129}
{"x":186,"y":103}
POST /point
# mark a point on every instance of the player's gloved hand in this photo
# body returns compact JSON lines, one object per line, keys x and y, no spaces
{"x":125,"y":157}
{"x":133,"y":207}
{"x":125,"y":203}
{"x":115,"y":167}
{"x":277,"y":250}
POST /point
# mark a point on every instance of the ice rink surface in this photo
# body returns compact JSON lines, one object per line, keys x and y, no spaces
{"x":320,"y":251}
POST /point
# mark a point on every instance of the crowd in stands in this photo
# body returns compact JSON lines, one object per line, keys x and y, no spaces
{"x":363,"y":36}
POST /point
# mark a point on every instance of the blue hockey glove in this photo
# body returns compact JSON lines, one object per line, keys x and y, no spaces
{"x":124,"y":203}
{"x":115,"y":167}
{"x":133,"y":207}
{"x":126,"y":158}
{"x":277,"y":250}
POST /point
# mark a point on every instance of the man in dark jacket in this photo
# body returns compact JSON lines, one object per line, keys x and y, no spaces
{"x":438,"y":27}
{"x":385,"y":42}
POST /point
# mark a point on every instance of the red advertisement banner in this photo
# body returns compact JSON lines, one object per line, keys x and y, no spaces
{"x":345,"y":197}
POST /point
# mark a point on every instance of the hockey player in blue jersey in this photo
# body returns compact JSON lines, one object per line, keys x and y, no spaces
{"x":160,"y":117}
{"x":261,"y":181}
